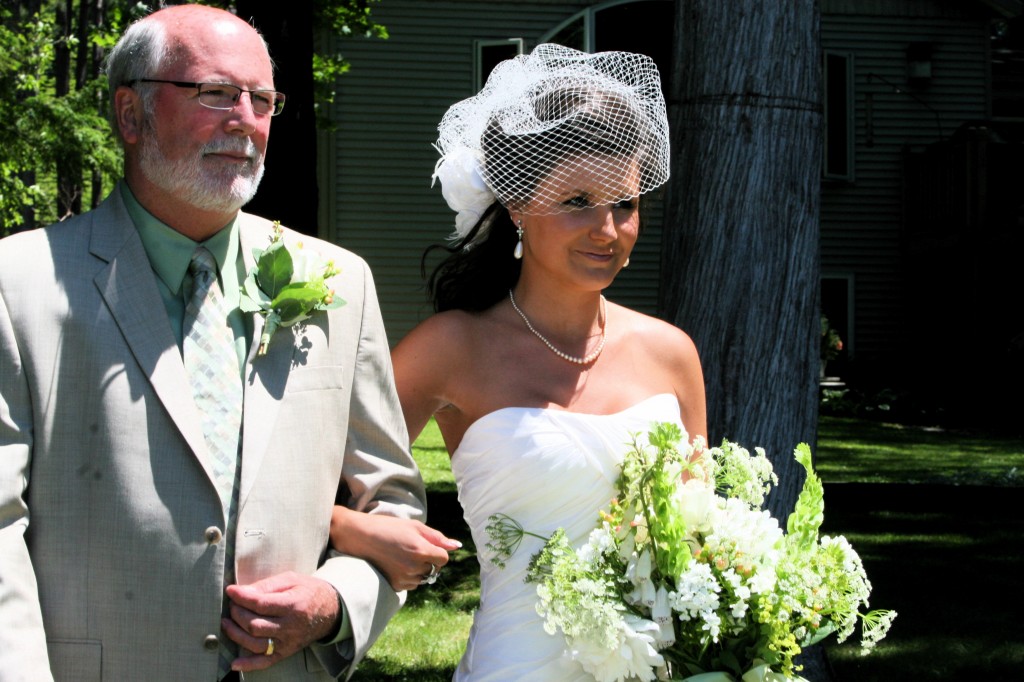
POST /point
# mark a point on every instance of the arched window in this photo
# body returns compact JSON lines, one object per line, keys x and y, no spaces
{"x":643,"y":26}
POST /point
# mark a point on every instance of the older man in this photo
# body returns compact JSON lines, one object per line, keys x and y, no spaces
{"x":162,"y":519}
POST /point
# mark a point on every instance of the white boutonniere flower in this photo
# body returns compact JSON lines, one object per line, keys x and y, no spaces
{"x":287,"y":286}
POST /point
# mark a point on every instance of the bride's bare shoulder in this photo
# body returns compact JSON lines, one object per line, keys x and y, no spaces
{"x":449,"y":334}
{"x":658,"y":337}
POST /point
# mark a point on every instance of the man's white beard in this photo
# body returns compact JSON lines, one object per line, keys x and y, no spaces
{"x":205,"y":187}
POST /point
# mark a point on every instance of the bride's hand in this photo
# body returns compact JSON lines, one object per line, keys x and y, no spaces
{"x":407,"y":552}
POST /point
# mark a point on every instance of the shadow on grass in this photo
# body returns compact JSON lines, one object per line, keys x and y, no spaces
{"x":949,"y":559}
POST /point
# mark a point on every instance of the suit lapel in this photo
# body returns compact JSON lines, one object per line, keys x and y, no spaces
{"x":126,"y":284}
{"x":265,"y":376}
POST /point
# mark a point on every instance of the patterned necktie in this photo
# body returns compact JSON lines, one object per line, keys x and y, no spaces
{"x":211,"y":362}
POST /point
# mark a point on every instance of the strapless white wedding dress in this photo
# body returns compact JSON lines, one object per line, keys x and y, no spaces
{"x":547,"y":469}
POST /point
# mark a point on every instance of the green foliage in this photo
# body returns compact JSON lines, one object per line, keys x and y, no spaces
{"x":809,"y":513}
{"x":287,"y":288}
{"x":343,"y":18}
{"x":42,"y":128}
{"x":831,"y":344}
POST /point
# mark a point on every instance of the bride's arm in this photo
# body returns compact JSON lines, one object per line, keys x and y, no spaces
{"x":403,"y":550}
{"x":426,"y":361}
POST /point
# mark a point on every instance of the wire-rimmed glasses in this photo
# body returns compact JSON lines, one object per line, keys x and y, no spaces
{"x":224,"y":96}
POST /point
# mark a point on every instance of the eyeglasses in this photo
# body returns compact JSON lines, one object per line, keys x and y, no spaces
{"x":224,"y":96}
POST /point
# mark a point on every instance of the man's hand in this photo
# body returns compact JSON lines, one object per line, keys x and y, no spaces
{"x":291,"y":609}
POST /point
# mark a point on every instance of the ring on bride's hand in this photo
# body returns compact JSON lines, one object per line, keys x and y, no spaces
{"x":270,"y":647}
{"x":431,"y":577}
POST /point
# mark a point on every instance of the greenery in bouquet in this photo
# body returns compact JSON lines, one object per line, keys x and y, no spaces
{"x":286,"y":286}
{"x":686,"y":576}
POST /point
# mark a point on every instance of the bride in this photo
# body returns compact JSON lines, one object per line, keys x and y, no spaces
{"x":535,"y":379}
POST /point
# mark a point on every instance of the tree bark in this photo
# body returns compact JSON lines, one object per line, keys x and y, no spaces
{"x":740,"y":248}
{"x":69,"y":172}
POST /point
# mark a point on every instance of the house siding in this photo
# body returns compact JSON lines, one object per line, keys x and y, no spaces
{"x":380,"y":159}
{"x":862,"y":221}
{"x":377,"y":165}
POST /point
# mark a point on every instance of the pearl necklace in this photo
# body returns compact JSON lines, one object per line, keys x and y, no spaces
{"x":587,"y":359}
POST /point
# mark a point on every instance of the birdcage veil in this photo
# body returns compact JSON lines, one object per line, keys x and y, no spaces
{"x":548,"y":115}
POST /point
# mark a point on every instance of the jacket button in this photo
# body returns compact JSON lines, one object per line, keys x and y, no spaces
{"x":211,"y":643}
{"x":213,"y":535}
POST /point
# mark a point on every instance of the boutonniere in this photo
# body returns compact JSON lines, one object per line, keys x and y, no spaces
{"x":287,"y":286}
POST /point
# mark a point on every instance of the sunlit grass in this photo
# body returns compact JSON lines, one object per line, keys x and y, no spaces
{"x":422,"y":643}
{"x":862,"y":451}
{"x":432,"y":458}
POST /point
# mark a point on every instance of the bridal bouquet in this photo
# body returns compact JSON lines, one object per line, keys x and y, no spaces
{"x":687,"y":577}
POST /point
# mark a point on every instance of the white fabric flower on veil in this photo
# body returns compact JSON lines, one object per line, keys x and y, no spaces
{"x":463,"y":187}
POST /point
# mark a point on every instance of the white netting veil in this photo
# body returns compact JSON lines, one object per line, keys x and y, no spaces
{"x":546,"y":118}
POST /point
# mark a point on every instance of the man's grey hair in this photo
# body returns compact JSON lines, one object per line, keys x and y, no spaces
{"x":140,"y":53}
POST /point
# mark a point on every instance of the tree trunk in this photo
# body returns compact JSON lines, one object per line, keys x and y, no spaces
{"x":288,"y":191}
{"x":69,"y":171}
{"x":740,"y":248}
{"x":98,"y":19}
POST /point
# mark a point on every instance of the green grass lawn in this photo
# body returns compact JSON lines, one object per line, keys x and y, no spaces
{"x":861,"y":451}
{"x":935,"y":515}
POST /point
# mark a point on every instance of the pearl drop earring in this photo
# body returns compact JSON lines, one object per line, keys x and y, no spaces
{"x":518,"y":252}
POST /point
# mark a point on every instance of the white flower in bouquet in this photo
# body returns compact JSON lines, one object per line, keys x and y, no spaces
{"x":686,"y":574}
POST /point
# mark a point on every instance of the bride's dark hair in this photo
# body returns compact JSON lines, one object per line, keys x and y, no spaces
{"x":477,"y":277}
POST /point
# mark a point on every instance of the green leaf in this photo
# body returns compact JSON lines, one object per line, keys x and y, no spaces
{"x":253,"y":299}
{"x":274,"y":269}
{"x":296,"y":301}
{"x":337,"y":302}
{"x":809,"y":512}
{"x":827,"y":628}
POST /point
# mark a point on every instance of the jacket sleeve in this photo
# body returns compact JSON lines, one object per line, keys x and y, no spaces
{"x":378,"y":476}
{"x":23,"y":654}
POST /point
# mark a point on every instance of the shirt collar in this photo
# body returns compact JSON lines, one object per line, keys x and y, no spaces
{"x":170,"y":252}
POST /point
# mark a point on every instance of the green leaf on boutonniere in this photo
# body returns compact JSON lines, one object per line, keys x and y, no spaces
{"x":287,"y":287}
{"x":274,"y":268}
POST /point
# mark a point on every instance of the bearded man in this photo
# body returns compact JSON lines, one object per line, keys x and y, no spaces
{"x":166,"y":484}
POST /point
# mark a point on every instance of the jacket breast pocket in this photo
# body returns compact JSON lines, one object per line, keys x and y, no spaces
{"x":327,"y":378}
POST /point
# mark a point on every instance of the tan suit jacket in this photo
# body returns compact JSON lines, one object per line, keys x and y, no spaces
{"x":111,"y":554}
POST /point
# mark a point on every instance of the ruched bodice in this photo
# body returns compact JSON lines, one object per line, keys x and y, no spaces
{"x":547,"y":469}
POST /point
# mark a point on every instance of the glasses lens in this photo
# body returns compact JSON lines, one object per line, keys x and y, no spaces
{"x":267,"y":101}
{"x":219,"y":95}
{"x":225,"y":96}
